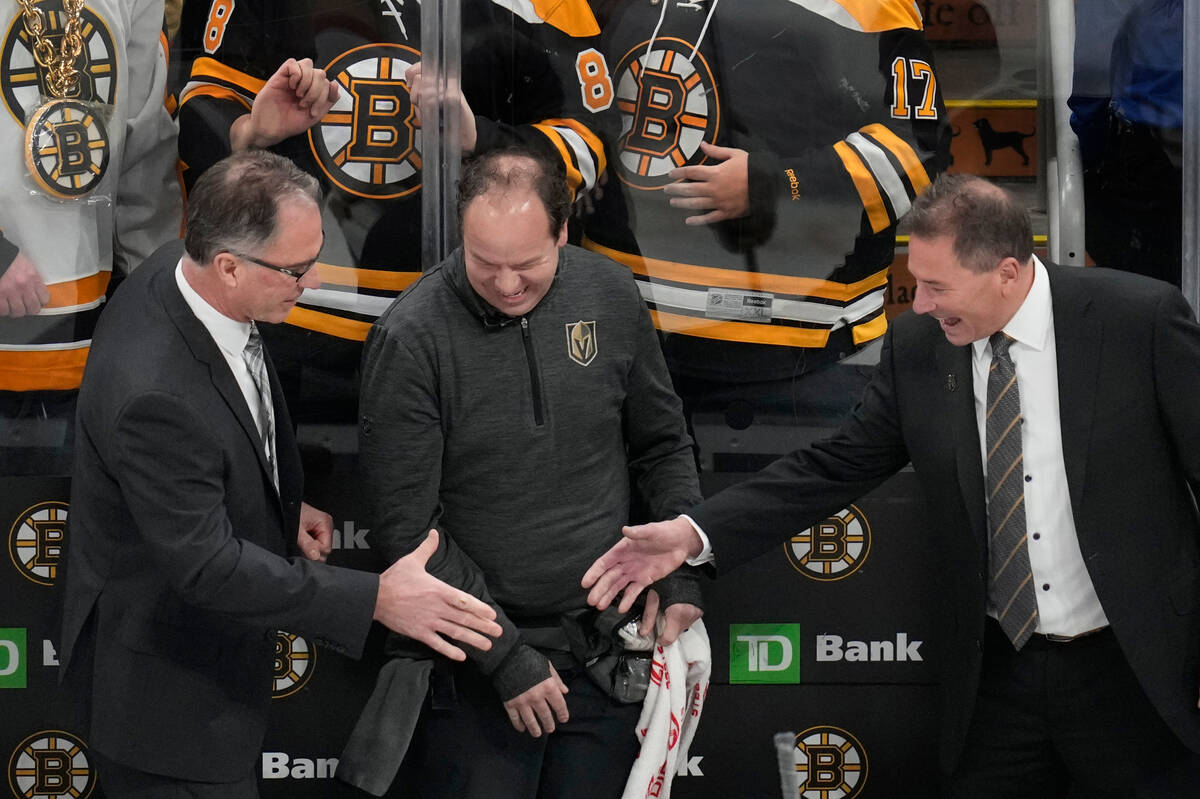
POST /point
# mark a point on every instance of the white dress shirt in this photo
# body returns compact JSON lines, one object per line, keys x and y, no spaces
{"x":230,"y":336}
{"x":1067,"y":601}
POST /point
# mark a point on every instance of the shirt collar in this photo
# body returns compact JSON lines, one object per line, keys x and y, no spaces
{"x":229,"y":334}
{"x":1033,"y":321}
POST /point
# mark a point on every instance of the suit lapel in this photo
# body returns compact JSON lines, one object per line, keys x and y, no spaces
{"x":206,"y":351}
{"x":1078,"y":340}
{"x":958,"y":396}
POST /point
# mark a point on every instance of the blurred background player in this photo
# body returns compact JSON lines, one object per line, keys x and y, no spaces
{"x":1127,"y":110}
{"x":764,"y":152}
{"x":63,"y":244}
{"x":267,"y":71}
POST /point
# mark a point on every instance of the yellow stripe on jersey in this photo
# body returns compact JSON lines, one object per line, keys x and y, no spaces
{"x":351,"y":329}
{"x":715,"y":277}
{"x":753,"y":333}
{"x":589,"y":138}
{"x":219,"y":92}
{"x":868,"y":192}
{"x":913,"y":167}
{"x":205,"y":68}
{"x":876,"y":16}
{"x":78,"y":292}
{"x":42,"y":370}
{"x":869,"y":331}
{"x":869,"y":16}
{"x":574,"y":178}
{"x":572,"y":17}
{"x":745,"y":332}
{"x":366,"y":278}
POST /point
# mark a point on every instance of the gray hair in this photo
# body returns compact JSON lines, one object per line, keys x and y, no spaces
{"x":234,"y":205}
{"x":986,"y":223}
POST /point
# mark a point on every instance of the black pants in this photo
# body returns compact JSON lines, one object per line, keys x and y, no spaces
{"x":465,"y":747}
{"x":1064,"y":719}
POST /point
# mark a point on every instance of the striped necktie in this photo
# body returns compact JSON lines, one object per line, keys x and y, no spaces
{"x":1010,"y":588}
{"x":257,"y":365}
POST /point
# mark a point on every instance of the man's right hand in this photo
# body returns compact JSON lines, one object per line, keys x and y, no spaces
{"x":646,"y":553}
{"x":416,"y":604}
{"x":534,"y":710}
{"x":292,"y":100}
{"x":22,"y":290}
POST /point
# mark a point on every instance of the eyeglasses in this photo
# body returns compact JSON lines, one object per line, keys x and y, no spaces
{"x":298,"y":271}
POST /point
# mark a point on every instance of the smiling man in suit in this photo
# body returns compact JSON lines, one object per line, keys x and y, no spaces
{"x":186,"y":503}
{"x":1052,"y":417}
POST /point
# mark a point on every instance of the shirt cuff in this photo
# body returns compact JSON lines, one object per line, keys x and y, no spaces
{"x":706,"y":553}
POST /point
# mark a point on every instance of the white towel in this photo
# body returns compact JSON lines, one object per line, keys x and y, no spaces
{"x":670,"y":713}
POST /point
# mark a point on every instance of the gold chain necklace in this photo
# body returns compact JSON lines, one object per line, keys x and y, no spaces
{"x":61,"y":77}
{"x":66,"y":143}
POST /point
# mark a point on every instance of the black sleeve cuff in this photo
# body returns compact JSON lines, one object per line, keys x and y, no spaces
{"x":8,"y":254}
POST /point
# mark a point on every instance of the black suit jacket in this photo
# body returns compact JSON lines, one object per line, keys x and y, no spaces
{"x":1129,"y":396}
{"x":177,"y":567}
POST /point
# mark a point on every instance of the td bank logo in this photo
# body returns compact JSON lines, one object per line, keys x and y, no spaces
{"x":764,"y":653}
{"x":833,"y":549}
{"x":13,"y":662}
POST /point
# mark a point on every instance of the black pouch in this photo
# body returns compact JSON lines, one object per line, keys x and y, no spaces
{"x":623,"y":674}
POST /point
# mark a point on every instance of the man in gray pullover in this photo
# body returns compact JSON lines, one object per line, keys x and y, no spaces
{"x":510,"y":399}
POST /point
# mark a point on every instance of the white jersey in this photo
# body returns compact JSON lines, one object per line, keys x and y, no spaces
{"x":135,"y":207}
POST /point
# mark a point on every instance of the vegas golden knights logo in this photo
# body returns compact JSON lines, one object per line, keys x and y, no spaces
{"x":831,"y":764}
{"x":832,"y":549}
{"x":368,"y":143}
{"x":36,"y":540}
{"x":581,"y":342}
{"x":668,"y":104}
{"x":50,"y":764}
{"x":67,"y":148}
{"x":294,"y":663}
{"x":24,"y":82}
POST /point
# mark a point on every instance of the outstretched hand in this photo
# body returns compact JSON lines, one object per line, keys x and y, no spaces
{"x":416,"y":604}
{"x":645,"y":553}
{"x":290,"y":102}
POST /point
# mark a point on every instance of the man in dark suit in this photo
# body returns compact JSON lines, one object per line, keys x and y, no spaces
{"x":1059,"y":460}
{"x":186,"y":500}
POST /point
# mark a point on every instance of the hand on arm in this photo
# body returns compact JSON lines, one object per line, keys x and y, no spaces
{"x":22,"y":290}
{"x":421,"y":91}
{"x":535,"y":710}
{"x":721,"y":191}
{"x":291,"y":101}
{"x":645,"y":553}
{"x":315,"y":538}
{"x":416,"y":604}
{"x":676,"y":618}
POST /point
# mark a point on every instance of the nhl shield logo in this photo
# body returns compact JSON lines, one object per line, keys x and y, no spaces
{"x":581,"y":342}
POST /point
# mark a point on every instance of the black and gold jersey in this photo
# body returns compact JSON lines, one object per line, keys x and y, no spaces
{"x":838,"y":106}
{"x":519,"y":76}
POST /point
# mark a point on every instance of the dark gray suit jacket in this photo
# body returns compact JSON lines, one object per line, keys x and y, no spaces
{"x":177,"y":554}
{"x":1129,"y":396}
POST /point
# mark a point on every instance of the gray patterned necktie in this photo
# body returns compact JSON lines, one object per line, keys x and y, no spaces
{"x":1010,"y":584}
{"x":257,"y":365}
